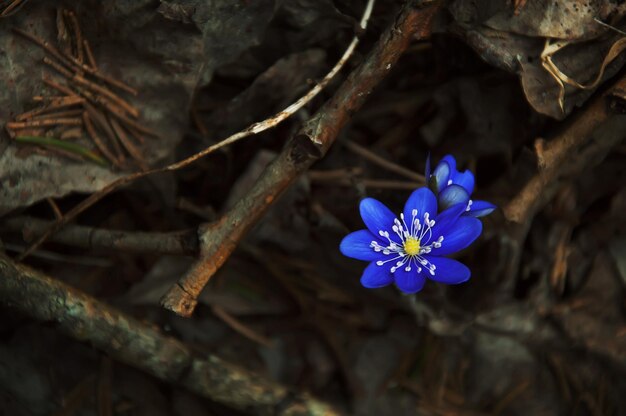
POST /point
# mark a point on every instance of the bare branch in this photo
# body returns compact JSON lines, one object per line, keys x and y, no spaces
{"x":175,"y":243}
{"x":218,"y":240}
{"x":142,"y":346}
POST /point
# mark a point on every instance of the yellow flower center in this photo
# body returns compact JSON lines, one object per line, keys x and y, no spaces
{"x":412,"y":246}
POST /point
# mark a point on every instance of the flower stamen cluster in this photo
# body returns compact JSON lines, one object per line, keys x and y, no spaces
{"x":414,"y":241}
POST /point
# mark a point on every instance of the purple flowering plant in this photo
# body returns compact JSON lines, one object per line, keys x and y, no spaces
{"x":437,"y":221}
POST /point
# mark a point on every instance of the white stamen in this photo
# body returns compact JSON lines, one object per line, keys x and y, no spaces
{"x":420,"y":230}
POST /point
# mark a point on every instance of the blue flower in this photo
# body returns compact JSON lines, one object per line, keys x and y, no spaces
{"x":409,"y":249}
{"x":455,"y":187}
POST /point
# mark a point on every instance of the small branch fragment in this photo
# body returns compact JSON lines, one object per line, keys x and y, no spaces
{"x":12,"y":8}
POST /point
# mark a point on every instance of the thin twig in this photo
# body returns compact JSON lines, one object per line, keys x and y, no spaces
{"x":134,"y":152}
{"x":384,"y":163}
{"x":351,"y":177}
{"x":78,"y":37}
{"x":125,"y":105}
{"x":89,"y":53}
{"x":55,"y":208}
{"x":58,"y":114}
{"x":46,"y":46}
{"x":72,"y":63}
{"x":239,"y":327}
{"x":76,"y":121}
{"x":91,"y":130}
{"x":52,"y":256}
{"x":13,"y":8}
{"x":101,"y":121}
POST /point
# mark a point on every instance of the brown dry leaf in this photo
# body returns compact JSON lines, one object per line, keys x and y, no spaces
{"x":546,"y":61}
{"x":516,"y":42}
{"x":573,"y":20}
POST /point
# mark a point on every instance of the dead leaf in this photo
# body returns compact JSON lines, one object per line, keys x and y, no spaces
{"x":515,"y":43}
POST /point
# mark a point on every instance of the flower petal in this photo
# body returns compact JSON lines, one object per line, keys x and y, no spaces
{"x":452,"y":195}
{"x":466,"y":180}
{"x":423,"y":200}
{"x":464,"y":232}
{"x":451,"y":161}
{"x":448,"y":271}
{"x":357,"y":246}
{"x":444,"y":221}
{"x":441,"y":175}
{"x":409,"y":282}
{"x":480,"y":208}
{"x":376,"y":276}
{"x":427,"y":175}
{"x":376,"y":216}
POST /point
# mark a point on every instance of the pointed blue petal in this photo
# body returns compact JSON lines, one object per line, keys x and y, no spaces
{"x":357,"y":246}
{"x":466,"y":180}
{"x":448,"y":271}
{"x":444,"y":221}
{"x":423,"y":200}
{"x":376,"y":216}
{"x":409,"y":282}
{"x":464,"y":232}
{"x":440,"y":176}
{"x":376,"y":276}
{"x":452,"y":195}
{"x":481,"y":208}
{"x":427,"y":176}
